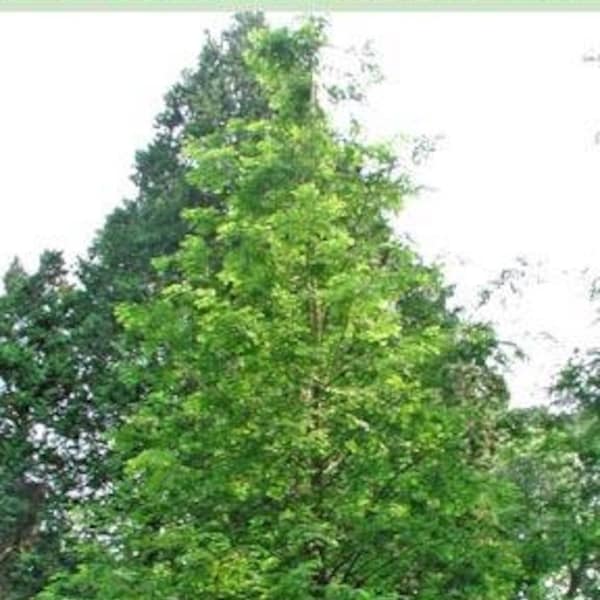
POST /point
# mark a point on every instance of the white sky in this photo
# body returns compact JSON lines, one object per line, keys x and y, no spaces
{"x":516,"y":172}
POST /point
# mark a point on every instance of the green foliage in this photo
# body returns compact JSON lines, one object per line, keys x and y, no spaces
{"x":553,"y":457}
{"x":296,"y":412}
{"x":315,"y":423}
{"x":40,"y":432}
{"x":578,"y":392}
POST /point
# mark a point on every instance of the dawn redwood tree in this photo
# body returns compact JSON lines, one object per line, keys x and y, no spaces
{"x":301,"y":434}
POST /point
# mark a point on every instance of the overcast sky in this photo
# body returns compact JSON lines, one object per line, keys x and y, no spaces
{"x":515,"y":174}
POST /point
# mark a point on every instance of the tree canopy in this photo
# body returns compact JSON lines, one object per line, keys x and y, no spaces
{"x":251,"y":388}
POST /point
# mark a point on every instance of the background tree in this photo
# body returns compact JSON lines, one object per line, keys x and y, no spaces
{"x":41,"y":409}
{"x":552,"y":454}
{"x":296,"y":437}
{"x":578,"y":395}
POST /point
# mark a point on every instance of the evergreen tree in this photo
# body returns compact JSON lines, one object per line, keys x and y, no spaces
{"x":41,"y":409}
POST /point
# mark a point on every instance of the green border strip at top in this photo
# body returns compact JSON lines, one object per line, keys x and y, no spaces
{"x":301,"y":5}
